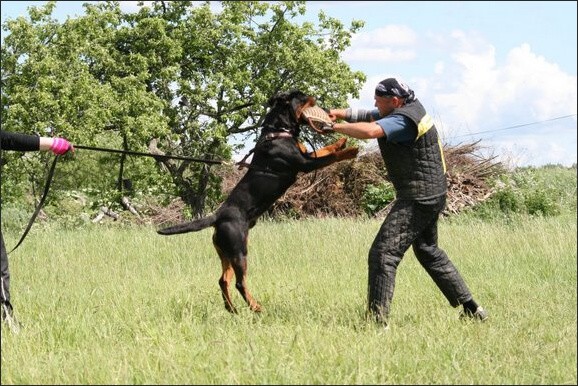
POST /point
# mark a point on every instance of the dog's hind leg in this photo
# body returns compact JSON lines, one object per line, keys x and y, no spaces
{"x":240,"y":267}
{"x":225,"y":281}
{"x":230,"y":240}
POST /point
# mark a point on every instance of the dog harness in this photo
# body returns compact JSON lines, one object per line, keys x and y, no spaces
{"x":267,"y":137}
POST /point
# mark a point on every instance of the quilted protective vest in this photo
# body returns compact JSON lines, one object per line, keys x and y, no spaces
{"x":417,"y":171}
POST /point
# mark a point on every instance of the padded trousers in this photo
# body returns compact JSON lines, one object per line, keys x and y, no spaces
{"x":4,"y":277}
{"x":411,"y":223}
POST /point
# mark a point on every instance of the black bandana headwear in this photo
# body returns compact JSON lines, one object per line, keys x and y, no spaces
{"x":394,"y":87}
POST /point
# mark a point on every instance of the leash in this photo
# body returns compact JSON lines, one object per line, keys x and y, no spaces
{"x":207,"y":161}
{"x":53,"y":166}
{"x":39,"y":206}
{"x":241,"y":164}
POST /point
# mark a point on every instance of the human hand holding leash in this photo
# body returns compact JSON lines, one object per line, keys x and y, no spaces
{"x":58,"y":146}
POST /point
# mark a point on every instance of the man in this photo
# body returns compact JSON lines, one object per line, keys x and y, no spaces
{"x":21,"y":142}
{"x":413,"y":156}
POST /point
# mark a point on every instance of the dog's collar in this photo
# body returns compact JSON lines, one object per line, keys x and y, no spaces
{"x":266,"y":137}
{"x":277,"y":134}
{"x":274,"y":129}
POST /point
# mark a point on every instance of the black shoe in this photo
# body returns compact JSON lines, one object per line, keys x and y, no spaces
{"x":480,"y":315}
{"x":9,"y":318}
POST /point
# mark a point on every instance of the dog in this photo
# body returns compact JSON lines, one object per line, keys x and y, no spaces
{"x":278,"y":157}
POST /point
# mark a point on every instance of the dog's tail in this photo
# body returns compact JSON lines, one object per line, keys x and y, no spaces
{"x":191,"y":226}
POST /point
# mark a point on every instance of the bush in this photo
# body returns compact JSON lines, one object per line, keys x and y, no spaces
{"x":544,"y":191}
{"x":542,"y":202}
{"x":376,"y":197}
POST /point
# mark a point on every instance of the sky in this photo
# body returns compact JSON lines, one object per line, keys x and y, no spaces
{"x":503,"y":73}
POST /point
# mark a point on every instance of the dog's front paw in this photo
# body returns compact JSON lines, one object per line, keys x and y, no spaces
{"x":349,"y":153}
{"x":340,"y":143}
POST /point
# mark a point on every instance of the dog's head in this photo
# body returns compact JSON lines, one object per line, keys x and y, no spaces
{"x":285,"y":110}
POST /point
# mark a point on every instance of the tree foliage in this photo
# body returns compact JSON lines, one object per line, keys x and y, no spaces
{"x":175,"y":77}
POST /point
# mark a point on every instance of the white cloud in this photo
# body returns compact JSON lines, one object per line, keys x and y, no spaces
{"x":471,"y":89}
{"x":548,"y":91}
{"x":393,"y":43}
{"x":379,"y":55}
{"x":439,"y":68}
{"x":535,"y":150}
{"x":391,"y":35}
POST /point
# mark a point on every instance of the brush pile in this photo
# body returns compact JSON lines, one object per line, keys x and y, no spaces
{"x":338,"y":190}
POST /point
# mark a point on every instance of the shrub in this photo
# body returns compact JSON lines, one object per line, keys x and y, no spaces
{"x":542,"y":202}
{"x":376,"y":197}
{"x":545,"y":191}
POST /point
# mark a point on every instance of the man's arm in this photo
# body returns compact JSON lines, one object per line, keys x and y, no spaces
{"x":359,"y":130}
{"x":359,"y":123}
{"x":354,"y":115}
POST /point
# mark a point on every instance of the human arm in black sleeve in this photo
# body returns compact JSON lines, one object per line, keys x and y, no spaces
{"x":26,"y":142}
{"x":18,"y":141}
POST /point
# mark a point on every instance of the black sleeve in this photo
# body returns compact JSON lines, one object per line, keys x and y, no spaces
{"x":18,"y":141}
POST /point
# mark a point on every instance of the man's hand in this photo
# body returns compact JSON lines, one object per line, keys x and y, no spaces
{"x":327,"y":128}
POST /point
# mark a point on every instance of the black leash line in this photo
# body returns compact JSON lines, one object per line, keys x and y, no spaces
{"x":208,"y":161}
{"x":53,"y":166}
{"x":40,"y":204}
{"x":51,"y":174}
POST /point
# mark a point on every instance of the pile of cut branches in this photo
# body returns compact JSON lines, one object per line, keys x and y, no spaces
{"x":337,"y":190}
{"x":468,"y":175}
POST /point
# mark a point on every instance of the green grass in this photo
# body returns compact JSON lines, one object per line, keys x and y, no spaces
{"x":116,"y":305}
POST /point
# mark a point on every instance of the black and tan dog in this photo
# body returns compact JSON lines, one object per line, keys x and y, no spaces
{"x":277,"y":159}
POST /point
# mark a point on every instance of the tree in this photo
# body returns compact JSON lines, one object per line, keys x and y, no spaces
{"x":179,"y":78}
{"x":62,"y":79}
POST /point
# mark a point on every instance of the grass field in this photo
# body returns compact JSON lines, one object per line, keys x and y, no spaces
{"x":122,"y":305}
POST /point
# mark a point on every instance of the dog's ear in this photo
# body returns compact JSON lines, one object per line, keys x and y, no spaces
{"x":295,"y":99}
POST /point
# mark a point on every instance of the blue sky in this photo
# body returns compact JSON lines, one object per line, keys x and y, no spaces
{"x":502,"y":72}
